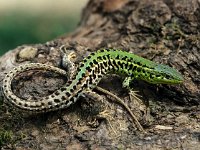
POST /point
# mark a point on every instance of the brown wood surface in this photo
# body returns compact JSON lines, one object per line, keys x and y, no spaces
{"x":164,"y":31}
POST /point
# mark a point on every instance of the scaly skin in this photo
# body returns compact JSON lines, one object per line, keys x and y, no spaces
{"x":90,"y":72}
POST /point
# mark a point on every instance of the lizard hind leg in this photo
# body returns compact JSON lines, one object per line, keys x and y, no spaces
{"x":93,"y":102}
{"x":97,"y":109}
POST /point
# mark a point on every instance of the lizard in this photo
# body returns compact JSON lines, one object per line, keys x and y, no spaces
{"x":89,"y":73}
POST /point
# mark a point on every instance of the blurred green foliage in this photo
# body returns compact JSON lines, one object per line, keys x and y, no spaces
{"x":19,"y":28}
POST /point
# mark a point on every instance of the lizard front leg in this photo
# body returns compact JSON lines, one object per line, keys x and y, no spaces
{"x":126,"y":84}
{"x":68,"y":61}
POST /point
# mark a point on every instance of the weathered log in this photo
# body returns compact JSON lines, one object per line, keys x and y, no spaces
{"x":164,"y":31}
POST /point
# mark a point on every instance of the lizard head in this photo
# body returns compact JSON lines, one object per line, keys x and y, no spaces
{"x":166,"y":75}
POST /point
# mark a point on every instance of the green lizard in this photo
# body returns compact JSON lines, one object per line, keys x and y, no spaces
{"x":89,"y":73}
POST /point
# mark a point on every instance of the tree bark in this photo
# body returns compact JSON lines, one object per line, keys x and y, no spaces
{"x":164,"y":31}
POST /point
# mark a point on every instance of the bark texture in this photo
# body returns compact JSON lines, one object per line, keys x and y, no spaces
{"x":165,"y":31}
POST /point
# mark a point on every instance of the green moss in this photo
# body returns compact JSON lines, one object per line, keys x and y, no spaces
{"x":5,"y":137}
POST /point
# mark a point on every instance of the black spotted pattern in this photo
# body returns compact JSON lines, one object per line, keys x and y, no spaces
{"x":67,"y":94}
{"x":56,"y":100}
{"x":90,"y":71}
